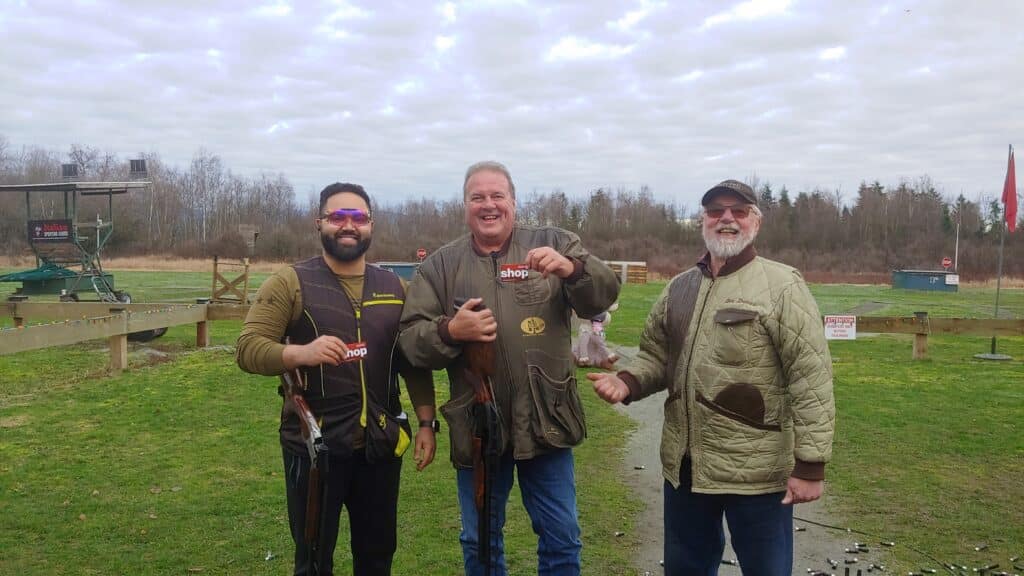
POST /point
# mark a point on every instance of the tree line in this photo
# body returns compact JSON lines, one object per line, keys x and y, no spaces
{"x":195,"y":211}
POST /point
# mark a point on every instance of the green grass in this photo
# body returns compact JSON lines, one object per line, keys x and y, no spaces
{"x":931,"y":452}
{"x":176,"y":464}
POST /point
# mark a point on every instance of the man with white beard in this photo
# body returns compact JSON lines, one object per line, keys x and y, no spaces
{"x":738,"y":343}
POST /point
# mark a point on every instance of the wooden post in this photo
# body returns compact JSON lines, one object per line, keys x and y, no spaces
{"x":213,"y":288}
{"x":118,"y":353}
{"x":202,"y":335}
{"x":245,"y":283}
{"x":921,"y":336}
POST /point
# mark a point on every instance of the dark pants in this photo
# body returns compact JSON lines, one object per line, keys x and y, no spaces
{"x":760,"y":526}
{"x":368,"y":491}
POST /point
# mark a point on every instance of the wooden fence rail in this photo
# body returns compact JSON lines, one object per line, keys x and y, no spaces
{"x":76,"y":322}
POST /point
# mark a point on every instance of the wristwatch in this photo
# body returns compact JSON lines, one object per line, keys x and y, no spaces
{"x":434,"y":424}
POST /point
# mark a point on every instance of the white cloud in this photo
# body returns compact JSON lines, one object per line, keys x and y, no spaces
{"x":573,"y":48}
{"x":275,"y":10}
{"x":443,"y":43}
{"x":277,"y":127}
{"x":407,"y":86}
{"x":690,"y":76}
{"x":447,"y":11}
{"x":750,"y":10}
{"x":346,"y":11}
{"x":834,"y":53}
{"x":634,"y":17}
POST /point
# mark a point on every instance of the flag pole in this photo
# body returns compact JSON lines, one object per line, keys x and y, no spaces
{"x":1010,"y":184}
{"x":999,"y":274}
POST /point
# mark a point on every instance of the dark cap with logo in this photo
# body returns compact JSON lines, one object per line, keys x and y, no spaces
{"x":733,"y":187}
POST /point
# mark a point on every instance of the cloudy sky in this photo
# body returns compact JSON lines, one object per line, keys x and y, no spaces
{"x":402,"y":97}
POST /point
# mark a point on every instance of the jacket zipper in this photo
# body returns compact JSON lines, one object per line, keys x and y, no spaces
{"x":391,"y":359}
{"x":504,"y":353}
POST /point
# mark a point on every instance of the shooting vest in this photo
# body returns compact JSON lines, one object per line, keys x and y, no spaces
{"x":339,"y":395}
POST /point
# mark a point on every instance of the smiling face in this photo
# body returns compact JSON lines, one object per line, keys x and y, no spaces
{"x":729,"y":226}
{"x":345,"y":239}
{"x":490,"y":209}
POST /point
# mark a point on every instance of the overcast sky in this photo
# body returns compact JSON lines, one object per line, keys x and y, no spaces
{"x":401,"y":98}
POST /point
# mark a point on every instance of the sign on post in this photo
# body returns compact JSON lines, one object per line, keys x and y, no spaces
{"x":421,"y":253}
{"x":947,"y":262}
{"x":840,"y":327}
{"x":49,"y":230}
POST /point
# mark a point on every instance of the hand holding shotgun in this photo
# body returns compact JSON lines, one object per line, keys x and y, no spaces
{"x":294,"y":385}
{"x":480,"y":355}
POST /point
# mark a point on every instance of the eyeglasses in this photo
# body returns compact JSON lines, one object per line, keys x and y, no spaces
{"x":739,"y":211}
{"x":338,"y":217}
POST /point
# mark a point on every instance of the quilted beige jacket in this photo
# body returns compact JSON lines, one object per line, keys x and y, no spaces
{"x":750,"y":379}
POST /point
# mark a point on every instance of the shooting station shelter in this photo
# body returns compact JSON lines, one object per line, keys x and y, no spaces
{"x":68,"y":250}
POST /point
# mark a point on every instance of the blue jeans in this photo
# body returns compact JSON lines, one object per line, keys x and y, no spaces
{"x":548,"y":486}
{"x":760,"y":526}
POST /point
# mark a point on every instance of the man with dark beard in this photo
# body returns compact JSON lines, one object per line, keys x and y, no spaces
{"x":738,"y":343}
{"x":335,"y":319}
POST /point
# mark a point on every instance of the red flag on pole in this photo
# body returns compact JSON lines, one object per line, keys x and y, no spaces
{"x":1010,"y":195}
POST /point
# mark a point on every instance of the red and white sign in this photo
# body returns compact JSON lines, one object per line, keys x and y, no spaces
{"x":947,"y":262}
{"x":356,"y":352}
{"x":421,"y":253}
{"x":514,"y":272}
{"x":840,"y":327}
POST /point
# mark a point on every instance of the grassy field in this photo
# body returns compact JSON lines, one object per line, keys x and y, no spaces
{"x":175,"y":465}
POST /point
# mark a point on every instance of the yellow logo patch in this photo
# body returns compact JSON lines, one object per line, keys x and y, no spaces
{"x":532,"y":326}
{"x":382,"y":421}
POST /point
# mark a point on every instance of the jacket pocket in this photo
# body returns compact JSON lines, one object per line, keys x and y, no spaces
{"x":742,"y":403}
{"x":737,"y":449}
{"x":557,"y":419}
{"x":532,"y":291}
{"x":734,"y":331}
{"x":458,"y":413}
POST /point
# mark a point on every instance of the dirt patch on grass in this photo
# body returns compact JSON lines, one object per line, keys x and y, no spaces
{"x":13,"y":421}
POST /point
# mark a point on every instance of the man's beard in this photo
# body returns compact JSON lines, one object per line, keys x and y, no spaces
{"x":342,"y":252}
{"x":724,"y":246}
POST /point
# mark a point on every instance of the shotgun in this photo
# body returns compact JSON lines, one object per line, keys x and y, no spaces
{"x":317,"y":449}
{"x":486,"y":439}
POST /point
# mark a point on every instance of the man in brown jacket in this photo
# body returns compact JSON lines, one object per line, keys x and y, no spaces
{"x":528,"y":280}
{"x":737,"y":340}
{"x":340,"y":317}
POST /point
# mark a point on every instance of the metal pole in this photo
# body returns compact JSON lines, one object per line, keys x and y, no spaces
{"x":956,"y":250}
{"x":999,"y":274}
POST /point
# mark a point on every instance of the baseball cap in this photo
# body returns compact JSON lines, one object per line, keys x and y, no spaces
{"x":734,"y":187}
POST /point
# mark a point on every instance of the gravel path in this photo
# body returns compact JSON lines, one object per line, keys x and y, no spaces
{"x":811,"y":547}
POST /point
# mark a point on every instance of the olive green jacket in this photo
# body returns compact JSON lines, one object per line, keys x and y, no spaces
{"x":750,"y":379}
{"x":535,"y":381}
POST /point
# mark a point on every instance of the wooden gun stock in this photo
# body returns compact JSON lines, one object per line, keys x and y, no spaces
{"x":317,"y":449}
{"x":480,"y":360}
